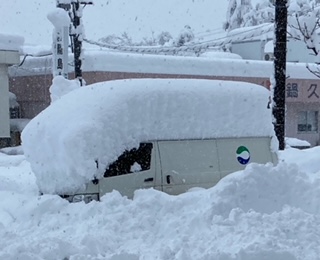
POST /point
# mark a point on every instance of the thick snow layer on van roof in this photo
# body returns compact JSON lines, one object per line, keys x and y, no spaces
{"x":104,"y":119}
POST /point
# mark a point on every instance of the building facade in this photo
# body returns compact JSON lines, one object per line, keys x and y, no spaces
{"x":31,"y":82}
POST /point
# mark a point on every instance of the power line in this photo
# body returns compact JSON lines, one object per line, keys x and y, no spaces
{"x":194,"y":47}
{"x":32,"y":55}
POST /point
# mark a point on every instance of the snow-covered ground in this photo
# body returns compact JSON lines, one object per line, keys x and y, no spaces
{"x":263,"y":212}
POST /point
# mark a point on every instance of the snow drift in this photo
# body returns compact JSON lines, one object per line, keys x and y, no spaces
{"x":263,"y":212}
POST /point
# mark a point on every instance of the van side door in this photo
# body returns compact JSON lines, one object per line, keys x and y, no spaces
{"x":134,"y":169}
{"x":188,"y":163}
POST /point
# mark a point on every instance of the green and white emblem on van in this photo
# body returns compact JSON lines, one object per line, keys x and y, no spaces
{"x":243,"y":155}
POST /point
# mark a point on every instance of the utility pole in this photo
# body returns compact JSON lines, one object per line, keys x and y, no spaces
{"x":280,"y":51}
{"x":77,"y":36}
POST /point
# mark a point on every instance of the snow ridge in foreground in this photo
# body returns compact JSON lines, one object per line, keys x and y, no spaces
{"x":263,"y":212}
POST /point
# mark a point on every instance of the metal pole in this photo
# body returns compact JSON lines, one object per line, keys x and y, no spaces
{"x":280,"y":50}
{"x":77,"y":37}
{"x":77,"y":43}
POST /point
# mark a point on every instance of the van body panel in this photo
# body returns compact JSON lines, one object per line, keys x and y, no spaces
{"x":126,"y":184}
{"x":235,"y":153}
{"x":188,"y":163}
{"x":179,"y":165}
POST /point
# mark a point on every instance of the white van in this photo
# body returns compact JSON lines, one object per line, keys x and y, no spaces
{"x":168,"y":134}
{"x":176,"y":166}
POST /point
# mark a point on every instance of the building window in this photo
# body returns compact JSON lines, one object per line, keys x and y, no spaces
{"x":14,"y":112}
{"x":308,"y":121}
{"x":135,"y":160}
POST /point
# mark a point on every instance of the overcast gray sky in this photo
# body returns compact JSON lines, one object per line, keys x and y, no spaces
{"x":139,"y":18}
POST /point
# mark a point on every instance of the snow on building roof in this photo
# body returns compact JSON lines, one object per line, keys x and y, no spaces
{"x":220,"y":55}
{"x":294,"y":142}
{"x":102,"y":60}
{"x":59,"y":18}
{"x":104,"y":119}
{"x":258,"y":32}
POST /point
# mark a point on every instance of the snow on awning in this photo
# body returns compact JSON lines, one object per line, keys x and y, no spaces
{"x":10,"y":42}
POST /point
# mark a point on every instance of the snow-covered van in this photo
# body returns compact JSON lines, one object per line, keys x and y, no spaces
{"x":168,"y":134}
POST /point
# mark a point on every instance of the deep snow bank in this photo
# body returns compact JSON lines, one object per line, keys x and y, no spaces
{"x":263,"y":212}
{"x":100,"y":121}
{"x":304,"y":159}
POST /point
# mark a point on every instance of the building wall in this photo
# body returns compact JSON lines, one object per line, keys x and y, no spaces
{"x":298,"y":52}
{"x":249,"y":50}
{"x":302,"y":96}
{"x":33,"y":91}
{"x":255,"y":50}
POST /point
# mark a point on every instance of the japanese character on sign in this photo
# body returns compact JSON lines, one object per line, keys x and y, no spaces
{"x":292,"y":90}
{"x":59,"y":49}
{"x":313,"y":89}
{"x":60,"y":66}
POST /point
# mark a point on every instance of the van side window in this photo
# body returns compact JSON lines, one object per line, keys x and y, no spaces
{"x":135,"y":160}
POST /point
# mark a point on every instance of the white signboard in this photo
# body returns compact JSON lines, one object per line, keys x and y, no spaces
{"x":60,"y":52}
{"x":60,"y":19}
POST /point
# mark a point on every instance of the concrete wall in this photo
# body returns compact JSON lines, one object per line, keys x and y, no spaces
{"x":7,"y":57}
{"x":4,"y":102}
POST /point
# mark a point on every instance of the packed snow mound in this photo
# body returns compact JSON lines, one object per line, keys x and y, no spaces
{"x":295,"y":142}
{"x":267,"y":189}
{"x":308,"y":158}
{"x":263,"y":212}
{"x":220,"y":55}
{"x":59,"y":18}
{"x":100,"y":121}
{"x":61,"y":86}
